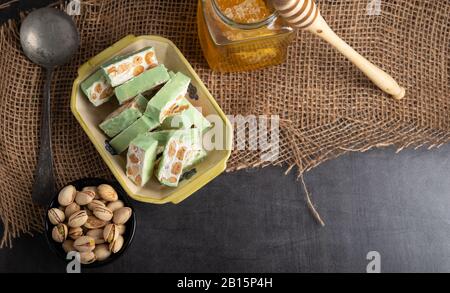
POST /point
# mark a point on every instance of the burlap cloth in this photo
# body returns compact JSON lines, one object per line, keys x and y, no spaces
{"x":327,"y":107}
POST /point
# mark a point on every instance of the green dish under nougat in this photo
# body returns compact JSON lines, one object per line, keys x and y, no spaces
{"x":186,"y":119}
{"x":158,"y":108}
{"x":121,"y":142}
{"x":97,"y":89}
{"x":175,"y":155}
{"x":141,"y":158}
{"x":144,"y":82}
{"x":123,"y":116}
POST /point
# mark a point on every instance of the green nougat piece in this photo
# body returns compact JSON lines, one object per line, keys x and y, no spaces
{"x":187,"y":118}
{"x":171,"y":74}
{"x":194,"y":157}
{"x":175,"y":155}
{"x":161,"y":137}
{"x":123,"y":68}
{"x":124,"y":116}
{"x":97,"y":89}
{"x":163,"y":103}
{"x":122,"y":140}
{"x":142,"y":83}
{"x":141,"y":158}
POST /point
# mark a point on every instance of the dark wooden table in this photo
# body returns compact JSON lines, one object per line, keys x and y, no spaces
{"x":257,"y":221}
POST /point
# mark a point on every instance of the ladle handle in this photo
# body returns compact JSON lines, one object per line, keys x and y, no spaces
{"x":44,"y":181}
{"x":383,"y":80}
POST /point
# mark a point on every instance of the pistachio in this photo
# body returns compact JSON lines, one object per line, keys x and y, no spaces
{"x":71,"y":209}
{"x":122,"y":215}
{"x":115,"y":205}
{"x":75,"y":232}
{"x":110,"y":233}
{"x":59,"y":233}
{"x":88,"y":211}
{"x":93,"y":189}
{"x":95,"y":203}
{"x":107,"y":192}
{"x":103,"y":213}
{"x":122,"y":229}
{"x":84,"y":197}
{"x":67,"y":195}
{"x":102,"y":252}
{"x":116,"y":245}
{"x":97,"y":234}
{"x":84,"y":244}
{"x":78,"y":219}
{"x":87,"y":257}
{"x":68,"y":246}
{"x":56,"y":216}
{"x":94,"y":223}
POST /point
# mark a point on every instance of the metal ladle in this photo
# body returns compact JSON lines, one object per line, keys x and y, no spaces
{"x":49,"y":38}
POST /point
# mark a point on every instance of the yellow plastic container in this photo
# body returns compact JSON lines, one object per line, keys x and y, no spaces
{"x":89,"y":117}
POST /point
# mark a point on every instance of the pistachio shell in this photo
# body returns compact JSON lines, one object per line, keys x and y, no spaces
{"x":122,"y":229}
{"x":84,"y":197}
{"x":95,"y":203}
{"x":71,"y":209}
{"x":84,"y":243}
{"x":102,"y":252}
{"x":78,"y":219}
{"x":75,"y":232}
{"x":87,"y":257}
{"x":67,"y":195}
{"x":97,"y":234}
{"x":110,"y":233}
{"x":115,"y":205}
{"x":59,"y":233}
{"x":116,"y":245}
{"x":93,"y":189}
{"x":56,"y":216}
{"x":94,"y":223}
{"x":68,"y":246}
{"x":103,"y":213}
{"x":107,"y":192}
{"x":122,"y":215}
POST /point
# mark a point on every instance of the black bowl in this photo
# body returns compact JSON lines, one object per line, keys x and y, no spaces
{"x":130,"y":225}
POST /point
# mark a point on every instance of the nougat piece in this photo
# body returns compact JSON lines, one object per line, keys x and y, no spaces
{"x":123,"y":68}
{"x":121,"y":142}
{"x":194,"y":157}
{"x":141,"y":158}
{"x":189,"y":117}
{"x":164,"y":103}
{"x":97,"y":89}
{"x":161,"y":137}
{"x":124,"y":116}
{"x":146,"y":81}
{"x":175,"y":156}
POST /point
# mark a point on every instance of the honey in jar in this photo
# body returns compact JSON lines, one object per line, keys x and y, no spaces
{"x":242,"y":35}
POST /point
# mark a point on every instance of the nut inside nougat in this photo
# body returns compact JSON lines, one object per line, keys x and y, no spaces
{"x":97,"y":89}
{"x":124,"y":116}
{"x":164,"y":103}
{"x":124,"y":68}
{"x":141,"y":159}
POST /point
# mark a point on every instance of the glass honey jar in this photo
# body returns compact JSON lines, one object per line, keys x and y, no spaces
{"x":242,"y":35}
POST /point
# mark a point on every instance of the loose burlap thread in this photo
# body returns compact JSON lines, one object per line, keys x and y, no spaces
{"x":327,"y":107}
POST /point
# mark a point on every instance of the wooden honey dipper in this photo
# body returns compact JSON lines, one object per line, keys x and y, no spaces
{"x":304,"y":14}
